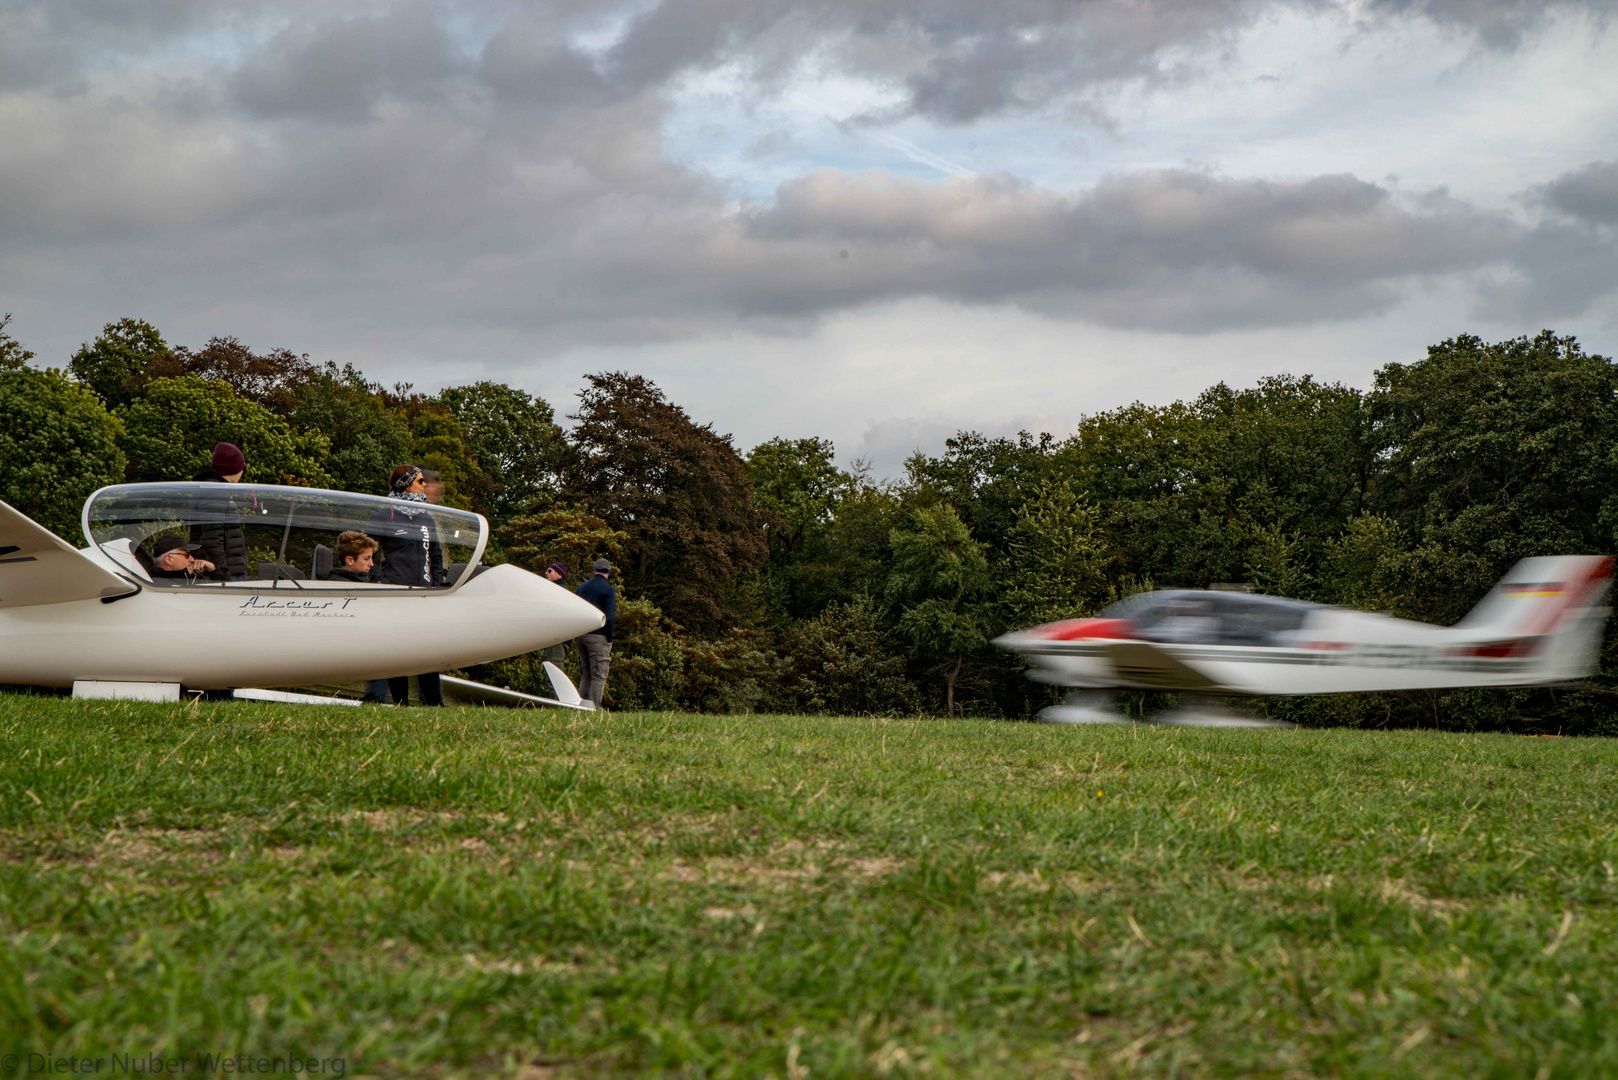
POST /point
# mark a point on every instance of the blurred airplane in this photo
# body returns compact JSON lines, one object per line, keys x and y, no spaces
{"x":1541,"y":623}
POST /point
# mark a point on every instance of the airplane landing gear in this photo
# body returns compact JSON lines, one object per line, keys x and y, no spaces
{"x":1083,"y":707}
{"x":1208,"y":712}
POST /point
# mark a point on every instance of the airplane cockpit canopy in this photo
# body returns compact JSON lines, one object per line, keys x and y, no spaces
{"x":291,"y":534}
{"x":1190,"y":616}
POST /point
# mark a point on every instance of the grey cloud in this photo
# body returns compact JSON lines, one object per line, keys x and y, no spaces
{"x":381,"y":180}
{"x":527,"y":68}
{"x":1559,"y":270}
{"x":1569,"y":260}
{"x":340,"y":70}
{"x":1168,"y":249}
{"x":956,"y":60}
{"x":1590,"y":193}
{"x":1499,"y":24}
{"x":961,"y":60}
{"x":59,"y":45}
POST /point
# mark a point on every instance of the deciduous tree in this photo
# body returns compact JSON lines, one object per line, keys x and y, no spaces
{"x":939,"y":580}
{"x":437,"y":442}
{"x":571,"y":537}
{"x":678,"y":489}
{"x":1495,"y":452}
{"x":366,"y":438}
{"x":515,"y":441}
{"x":171,"y":431}
{"x":58,"y":444}
{"x":1058,"y":557}
{"x":13,"y":356}
{"x":273,"y":379}
{"x":112,"y":365}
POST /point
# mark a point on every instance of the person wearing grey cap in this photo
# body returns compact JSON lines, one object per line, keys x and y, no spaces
{"x":595,"y":648}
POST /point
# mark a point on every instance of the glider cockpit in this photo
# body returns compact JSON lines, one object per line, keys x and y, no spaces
{"x":291,"y":536}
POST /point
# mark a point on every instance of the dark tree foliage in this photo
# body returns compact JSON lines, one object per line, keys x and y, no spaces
{"x":1493,"y":453}
{"x":732,"y":673}
{"x":798,"y":490}
{"x":13,"y":356}
{"x":844,"y":662}
{"x":367,"y":439}
{"x":985,"y":480}
{"x":112,"y":364}
{"x":274,"y":379}
{"x":571,"y":537}
{"x":438,"y":442}
{"x":937,"y":588}
{"x":1236,"y":486}
{"x":172,"y":429}
{"x":678,"y":489}
{"x":57,"y":443}
{"x":796,"y":486}
{"x":515,"y":441}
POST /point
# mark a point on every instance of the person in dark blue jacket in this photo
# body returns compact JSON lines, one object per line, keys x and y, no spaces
{"x":406,"y":534}
{"x":407,"y":539}
{"x":595,"y":648}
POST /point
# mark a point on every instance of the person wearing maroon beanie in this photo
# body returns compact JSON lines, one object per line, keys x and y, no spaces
{"x":229,"y":462}
{"x":216,"y":524}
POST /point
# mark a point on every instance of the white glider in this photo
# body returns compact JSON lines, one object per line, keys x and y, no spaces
{"x":101,"y":620}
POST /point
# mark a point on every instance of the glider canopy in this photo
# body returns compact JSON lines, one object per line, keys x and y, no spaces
{"x":291,"y":532}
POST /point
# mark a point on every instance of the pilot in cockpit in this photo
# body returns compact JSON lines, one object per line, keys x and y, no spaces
{"x":171,"y":558}
{"x":1189,"y":620}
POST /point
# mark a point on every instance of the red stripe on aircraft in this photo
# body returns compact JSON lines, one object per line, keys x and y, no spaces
{"x":1080,"y":629}
{"x":1575,"y":596}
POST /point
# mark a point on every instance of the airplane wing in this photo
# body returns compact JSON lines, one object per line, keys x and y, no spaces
{"x":39,"y":567}
{"x":1145,"y":664}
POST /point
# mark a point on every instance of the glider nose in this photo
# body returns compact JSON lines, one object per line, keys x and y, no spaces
{"x":577,"y":614}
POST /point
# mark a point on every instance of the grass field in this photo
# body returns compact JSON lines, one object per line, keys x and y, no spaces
{"x":459,"y":892}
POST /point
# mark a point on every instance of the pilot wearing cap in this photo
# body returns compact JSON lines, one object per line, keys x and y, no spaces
{"x":172,"y":558}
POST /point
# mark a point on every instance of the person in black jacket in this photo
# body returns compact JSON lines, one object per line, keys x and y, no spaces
{"x":355,"y":557}
{"x":407,"y":540}
{"x":595,"y":648}
{"x":406,"y":536}
{"x":216,"y":526}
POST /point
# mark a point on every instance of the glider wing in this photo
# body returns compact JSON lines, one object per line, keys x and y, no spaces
{"x":39,"y":567}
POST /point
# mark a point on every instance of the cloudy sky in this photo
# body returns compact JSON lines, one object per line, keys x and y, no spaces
{"x":879,"y":221}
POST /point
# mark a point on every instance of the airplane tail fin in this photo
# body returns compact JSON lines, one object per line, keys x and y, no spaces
{"x":566,"y":692}
{"x":1548,"y":612}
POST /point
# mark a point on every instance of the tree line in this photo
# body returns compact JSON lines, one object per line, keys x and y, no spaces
{"x":776,"y":580}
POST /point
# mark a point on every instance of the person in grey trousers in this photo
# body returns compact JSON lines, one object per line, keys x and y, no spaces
{"x":595,"y":648}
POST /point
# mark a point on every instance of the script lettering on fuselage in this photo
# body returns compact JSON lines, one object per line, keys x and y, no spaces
{"x":260,"y":606}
